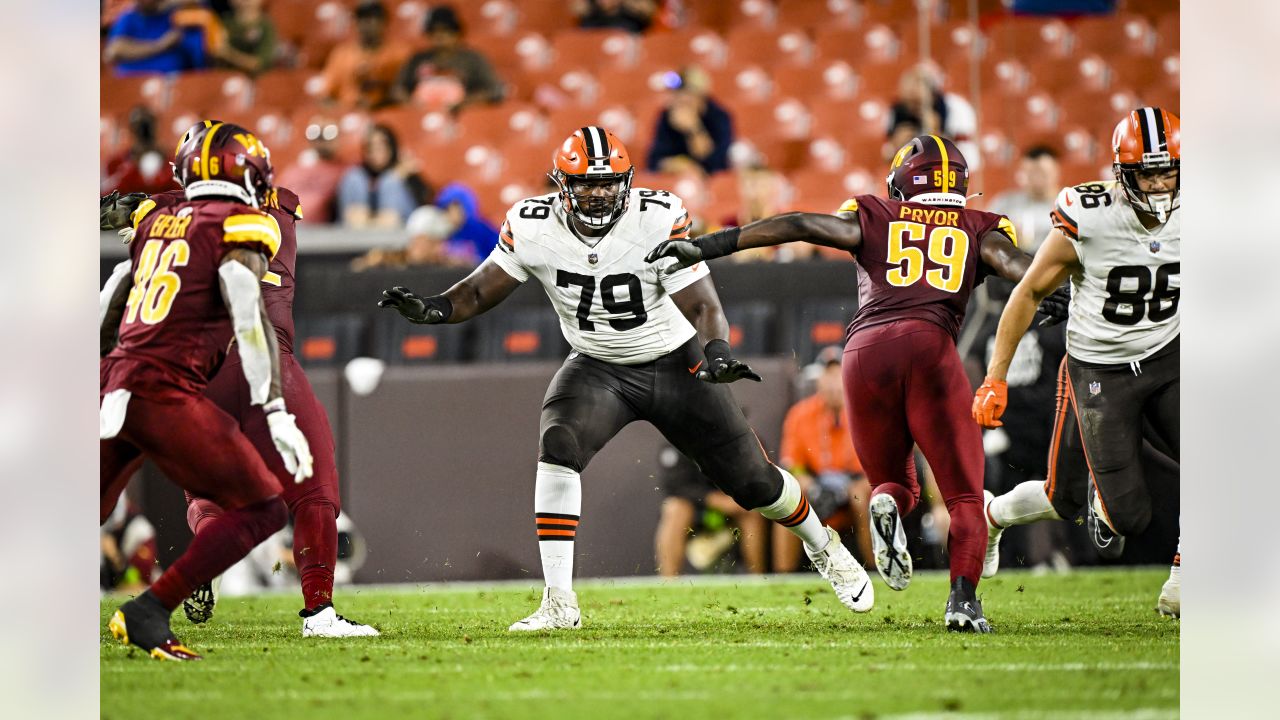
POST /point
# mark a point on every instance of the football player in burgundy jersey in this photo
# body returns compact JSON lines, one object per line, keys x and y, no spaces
{"x":919,"y":255}
{"x":190,"y":288}
{"x":315,"y":504}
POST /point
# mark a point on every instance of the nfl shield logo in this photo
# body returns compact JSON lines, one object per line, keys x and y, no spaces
{"x":919,"y":179}
{"x":1095,"y":387}
{"x":593,"y":258}
{"x":1155,"y":246}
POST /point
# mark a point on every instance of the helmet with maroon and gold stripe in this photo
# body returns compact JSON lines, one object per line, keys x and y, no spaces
{"x":593,"y":170}
{"x":1148,"y":141}
{"x":929,"y":170}
{"x":224,"y":160}
{"x":186,"y":137}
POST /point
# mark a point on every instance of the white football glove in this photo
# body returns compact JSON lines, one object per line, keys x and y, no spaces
{"x":290,"y":442}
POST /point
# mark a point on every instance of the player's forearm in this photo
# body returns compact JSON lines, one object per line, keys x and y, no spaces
{"x":114,"y":296}
{"x":814,"y":228}
{"x":1014,"y":321}
{"x":709,"y":320}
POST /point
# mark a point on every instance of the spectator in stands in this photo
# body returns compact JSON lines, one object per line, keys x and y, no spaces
{"x":922,"y":99}
{"x":143,"y":166}
{"x":1039,"y":180}
{"x":316,"y":173}
{"x":428,"y":228}
{"x":691,"y":503}
{"x":634,"y":16}
{"x":693,"y":128}
{"x":148,"y":39}
{"x":384,"y":188}
{"x":471,"y":232}
{"x":362,"y":72}
{"x":448,"y":73}
{"x":818,"y":450}
{"x":251,"y":42}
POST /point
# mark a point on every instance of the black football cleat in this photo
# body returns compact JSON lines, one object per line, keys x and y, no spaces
{"x":964,"y":610}
{"x":199,"y":607}
{"x":1110,"y":546}
{"x":144,"y":623}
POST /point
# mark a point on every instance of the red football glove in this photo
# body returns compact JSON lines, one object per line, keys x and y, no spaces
{"x":989,"y":402}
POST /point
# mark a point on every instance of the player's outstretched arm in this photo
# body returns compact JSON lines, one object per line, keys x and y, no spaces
{"x":477,"y":293}
{"x":111,"y":304}
{"x":1054,"y":262}
{"x":841,"y":231}
{"x":239,"y":276}
{"x":700,"y":304}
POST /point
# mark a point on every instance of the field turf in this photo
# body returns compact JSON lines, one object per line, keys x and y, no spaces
{"x":1084,"y":645}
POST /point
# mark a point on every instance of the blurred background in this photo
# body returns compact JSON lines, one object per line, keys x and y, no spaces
{"x":409,"y":127}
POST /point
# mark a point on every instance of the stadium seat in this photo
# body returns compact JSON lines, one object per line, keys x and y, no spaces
{"x":825,"y":81}
{"x":328,"y":340}
{"x":1087,"y":72}
{"x":683,"y":47}
{"x":818,"y":323}
{"x":561,"y":86}
{"x":545,"y":16}
{"x":500,"y":17}
{"x":1030,"y":37}
{"x":882,"y":81}
{"x":1031,"y":116}
{"x":636,"y":86}
{"x":1097,"y":109}
{"x":524,"y":51}
{"x":814,"y":16}
{"x":495,"y":124}
{"x":1143,"y":73}
{"x":784,"y":118}
{"x":1005,"y":76}
{"x":742,"y":85}
{"x":286,"y":89}
{"x":595,"y":48}
{"x":171,"y":124}
{"x":751,"y":327}
{"x":407,"y":20}
{"x":770,"y":47}
{"x":817,"y":191}
{"x":120,"y":95}
{"x":950,"y":43}
{"x":1121,"y":34}
{"x":292,"y":18}
{"x":208,"y":91}
{"x":875,"y":44}
{"x":891,"y":12}
{"x":1168,"y":33}
{"x":520,"y":333}
{"x":852,"y":123}
{"x":402,"y":343}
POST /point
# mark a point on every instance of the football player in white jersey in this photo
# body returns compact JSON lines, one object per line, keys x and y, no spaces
{"x":1119,"y":242}
{"x":646,"y":346}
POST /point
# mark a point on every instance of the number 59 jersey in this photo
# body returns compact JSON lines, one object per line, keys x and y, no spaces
{"x":613,"y":306}
{"x":1124,"y":305}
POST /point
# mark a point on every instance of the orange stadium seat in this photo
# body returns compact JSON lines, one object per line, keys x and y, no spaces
{"x":815,"y":16}
{"x":831,"y":80}
{"x":286,"y":88}
{"x":1030,"y":37}
{"x":292,"y":18}
{"x":1081,"y":144}
{"x":171,"y":124}
{"x":882,"y":81}
{"x":950,"y":43}
{"x":1005,"y":76}
{"x":1123,"y":34}
{"x":521,"y":50}
{"x":635,"y":86}
{"x":997,"y":149}
{"x":855,"y":124}
{"x":498,"y":17}
{"x":1168,"y":33}
{"x":1090,"y":72}
{"x":1148,"y":73}
{"x":869,"y":44}
{"x":596,"y":48}
{"x":545,"y":16}
{"x":783,"y":118}
{"x":1097,"y":109}
{"x":742,"y":85}
{"x":560,"y":86}
{"x":1033,"y":115}
{"x":684,"y":47}
{"x":770,"y":47}
{"x":893,"y":11}
{"x":746,"y":13}
{"x":494,"y":124}
{"x":207,"y":91}
{"x":407,"y":19}
{"x":120,"y":95}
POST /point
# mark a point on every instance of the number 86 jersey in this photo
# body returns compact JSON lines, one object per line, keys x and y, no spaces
{"x":1124,"y":305}
{"x":613,"y":306}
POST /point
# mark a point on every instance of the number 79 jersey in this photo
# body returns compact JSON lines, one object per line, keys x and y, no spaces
{"x":1124,"y":305}
{"x":613,"y":306}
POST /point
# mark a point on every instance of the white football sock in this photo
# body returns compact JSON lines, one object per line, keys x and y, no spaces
{"x":1025,"y":503}
{"x":557,"y":503}
{"x":791,"y":510}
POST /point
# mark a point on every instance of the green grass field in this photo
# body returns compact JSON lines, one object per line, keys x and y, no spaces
{"x":1085,"y":645}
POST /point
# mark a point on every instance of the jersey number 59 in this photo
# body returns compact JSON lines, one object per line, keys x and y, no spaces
{"x":948,"y":248}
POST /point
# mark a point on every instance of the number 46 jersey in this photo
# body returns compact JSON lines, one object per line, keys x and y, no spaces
{"x":613,"y":306}
{"x":1124,"y":305}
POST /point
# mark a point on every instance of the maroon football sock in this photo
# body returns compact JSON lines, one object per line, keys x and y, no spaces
{"x":967,"y":540}
{"x":315,"y":550}
{"x":901,"y":494}
{"x":221,"y":543}
{"x":200,"y":513}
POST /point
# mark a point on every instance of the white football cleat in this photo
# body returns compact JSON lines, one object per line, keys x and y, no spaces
{"x":327,"y":623}
{"x":991,"y":563}
{"x":836,"y":565}
{"x":889,"y":542}
{"x":558,"y":611}
{"x":1170,"y":600}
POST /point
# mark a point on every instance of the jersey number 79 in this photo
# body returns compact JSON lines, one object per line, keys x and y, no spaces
{"x":634,"y":304}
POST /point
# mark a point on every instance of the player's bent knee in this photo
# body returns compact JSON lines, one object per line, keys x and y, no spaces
{"x":558,"y":446}
{"x":1131,"y":521}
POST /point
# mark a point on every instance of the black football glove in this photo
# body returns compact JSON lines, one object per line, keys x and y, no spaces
{"x":423,"y":311}
{"x":114,"y":210}
{"x":1056,"y":306}
{"x":721,"y":367}
{"x":691,"y":252}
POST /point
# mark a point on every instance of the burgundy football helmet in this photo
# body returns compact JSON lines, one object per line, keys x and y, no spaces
{"x":224,"y":160}
{"x":929,"y":170}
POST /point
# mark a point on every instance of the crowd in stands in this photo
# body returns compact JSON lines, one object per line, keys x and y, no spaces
{"x":744,"y":108}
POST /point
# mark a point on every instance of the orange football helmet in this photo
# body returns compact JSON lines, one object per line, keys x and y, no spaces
{"x":224,"y":160}
{"x":593,"y":170}
{"x":1148,"y":140}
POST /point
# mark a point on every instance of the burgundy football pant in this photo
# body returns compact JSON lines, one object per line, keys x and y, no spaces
{"x":905,"y":385}
{"x":314,"y":503}
{"x":201,"y":449}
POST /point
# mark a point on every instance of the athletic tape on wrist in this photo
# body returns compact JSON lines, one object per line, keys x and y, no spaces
{"x":719,"y":243}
